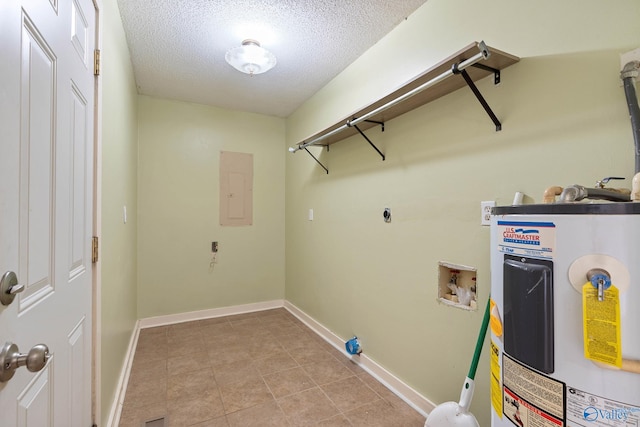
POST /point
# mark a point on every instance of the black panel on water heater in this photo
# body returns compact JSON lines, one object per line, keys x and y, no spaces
{"x":528,"y":311}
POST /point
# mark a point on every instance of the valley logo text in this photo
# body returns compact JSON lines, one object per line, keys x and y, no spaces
{"x":591,"y":413}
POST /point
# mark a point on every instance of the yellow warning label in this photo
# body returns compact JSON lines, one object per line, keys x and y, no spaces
{"x":496,"y":321}
{"x":496,"y":386}
{"x":601,"y":325}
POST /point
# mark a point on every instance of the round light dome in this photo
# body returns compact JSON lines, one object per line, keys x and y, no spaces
{"x":251,"y":58}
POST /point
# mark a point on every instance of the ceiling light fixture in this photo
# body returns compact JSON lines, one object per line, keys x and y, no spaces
{"x":250,"y":58}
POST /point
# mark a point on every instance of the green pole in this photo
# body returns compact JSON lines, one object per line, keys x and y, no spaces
{"x":480,"y":342}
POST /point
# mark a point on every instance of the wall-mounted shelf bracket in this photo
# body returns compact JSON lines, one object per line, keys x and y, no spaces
{"x":476,"y":92}
{"x":378,"y":123}
{"x":316,"y":159}
{"x":496,"y":73}
{"x":426,"y":87}
{"x":365,"y":136}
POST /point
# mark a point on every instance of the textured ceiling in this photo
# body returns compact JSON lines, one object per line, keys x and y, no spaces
{"x":178,"y":46}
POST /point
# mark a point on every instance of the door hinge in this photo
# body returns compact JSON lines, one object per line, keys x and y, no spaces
{"x":94,"y":249}
{"x":96,"y":62}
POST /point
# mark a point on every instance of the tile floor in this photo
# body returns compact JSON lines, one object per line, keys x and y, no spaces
{"x":256,"y":369}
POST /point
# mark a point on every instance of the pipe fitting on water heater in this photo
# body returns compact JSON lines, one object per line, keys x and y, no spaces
{"x":635,"y":188}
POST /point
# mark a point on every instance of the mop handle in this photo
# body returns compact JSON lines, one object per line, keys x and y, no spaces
{"x":480,"y":342}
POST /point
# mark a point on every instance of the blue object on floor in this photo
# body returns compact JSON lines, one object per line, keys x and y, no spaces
{"x":353,"y":346}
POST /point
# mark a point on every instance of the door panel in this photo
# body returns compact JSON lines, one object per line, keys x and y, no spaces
{"x":35,"y":403}
{"x":46,"y":205}
{"x":77,"y":359}
{"x":78,"y":183}
{"x":36,"y":169}
{"x":79,"y":31}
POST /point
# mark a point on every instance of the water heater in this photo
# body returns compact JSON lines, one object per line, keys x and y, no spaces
{"x":565,"y":315}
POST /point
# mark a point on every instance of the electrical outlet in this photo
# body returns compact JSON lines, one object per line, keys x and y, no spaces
{"x":485,"y":212}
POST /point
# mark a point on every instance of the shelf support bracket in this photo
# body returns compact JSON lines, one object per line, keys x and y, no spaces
{"x":378,"y":123}
{"x":316,"y":159}
{"x":476,"y":92}
{"x":368,"y":140}
{"x":496,"y":73}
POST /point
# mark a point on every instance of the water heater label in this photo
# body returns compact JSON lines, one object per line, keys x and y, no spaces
{"x":589,"y":410}
{"x":532,"y":239}
{"x":601,"y":325}
{"x":496,"y":386}
{"x":530,"y":398}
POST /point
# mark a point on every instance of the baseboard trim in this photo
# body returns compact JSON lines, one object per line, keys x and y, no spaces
{"x":190,"y":316}
{"x":417,"y":401}
{"x":123,"y":380}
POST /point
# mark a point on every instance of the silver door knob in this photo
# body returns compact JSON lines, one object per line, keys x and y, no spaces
{"x":11,"y":359}
{"x":9,"y":287}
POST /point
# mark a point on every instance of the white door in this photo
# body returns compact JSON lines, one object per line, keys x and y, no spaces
{"x":46,"y":190}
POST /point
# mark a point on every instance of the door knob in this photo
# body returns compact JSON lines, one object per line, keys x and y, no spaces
{"x":11,"y":359}
{"x":9,"y":287}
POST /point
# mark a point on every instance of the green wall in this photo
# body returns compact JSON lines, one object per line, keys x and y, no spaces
{"x":564,"y":121}
{"x":179,"y":151}
{"x":119,"y":188}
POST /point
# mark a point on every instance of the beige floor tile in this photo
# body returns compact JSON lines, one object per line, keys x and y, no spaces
{"x":185,"y":344}
{"x":266,"y":414}
{"x":405,"y":410}
{"x":152,"y":340}
{"x":296,"y":341}
{"x":148,"y":370}
{"x":311,"y":353}
{"x":244,"y":394}
{"x":376,"y":386}
{"x":184,"y":328}
{"x":216,"y":422}
{"x":275,"y":362}
{"x":249,"y":327}
{"x":326,"y":372}
{"x":263,"y":348}
{"x":145,"y":393}
{"x":351,"y":365}
{"x":151,"y":353}
{"x":279,"y":329}
{"x":189,"y":410}
{"x":349,"y":393}
{"x":223,"y":356}
{"x":337,"y":421}
{"x":381,"y":414}
{"x":190,"y":384}
{"x":136,"y":416}
{"x":188,"y":363}
{"x":288,"y":382}
{"x":211,"y":331}
{"x":148,"y":332}
{"x":307,"y":407}
{"x":237,"y":370}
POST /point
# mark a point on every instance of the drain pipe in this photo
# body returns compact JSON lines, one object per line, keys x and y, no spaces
{"x":628,"y":75}
{"x":575,"y":193}
{"x":550,"y":194}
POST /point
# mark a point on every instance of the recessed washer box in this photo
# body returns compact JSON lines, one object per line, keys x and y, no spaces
{"x":457,"y":285}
